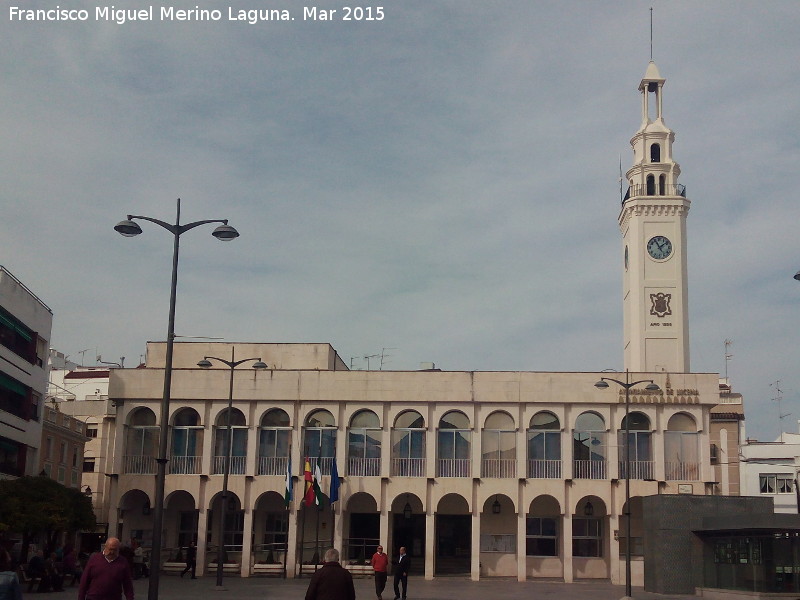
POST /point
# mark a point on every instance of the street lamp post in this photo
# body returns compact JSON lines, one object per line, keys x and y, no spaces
{"x":130,"y":228}
{"x":627,"y":385}
{"x":226,"y":469}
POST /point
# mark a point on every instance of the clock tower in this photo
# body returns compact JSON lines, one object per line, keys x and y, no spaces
{"x":653,"y":225}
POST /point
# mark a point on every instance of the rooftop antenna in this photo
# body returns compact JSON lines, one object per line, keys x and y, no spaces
{"x":728,"y":344}
{"x":366,"y":358}
{"x":651,"y":33}
{"x":384,"y":356}
{"x":83,"y":354}
{"x":779,"y":398}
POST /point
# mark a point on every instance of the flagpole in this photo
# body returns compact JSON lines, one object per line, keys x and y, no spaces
{"x":330,"y":495}
{"x":289,"y":500}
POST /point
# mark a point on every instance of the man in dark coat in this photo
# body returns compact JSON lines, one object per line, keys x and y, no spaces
{"x":401,"y":568}
{"x":332,"y":581}
{"x":191,"y":559}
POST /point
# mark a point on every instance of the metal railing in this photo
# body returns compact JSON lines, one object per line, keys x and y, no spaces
{"x":364,"y":467}
{"x":682,"y":470}
{"x":544,"y":469}
{"x":640,"y":469}
{"x":139,"y":465}
{"x":669,"y":189}
{"x":359,"y":551}
{"x":453,"y":467}
{"x":185,"y":465}
{"x":589,"y":469}
{"x":272,"y":465}
{"x":237,"y":465}
{"x":503,"y":468}
{"x":325,"y":464}
{"x":408,"y":467}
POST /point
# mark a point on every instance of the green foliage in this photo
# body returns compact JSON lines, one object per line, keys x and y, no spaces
{"x":33,"y":505}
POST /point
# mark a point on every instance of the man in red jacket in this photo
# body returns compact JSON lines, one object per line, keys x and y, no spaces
{"x":107,"y":575}
{"x":331,"y":582}
{"x":380,"y":564}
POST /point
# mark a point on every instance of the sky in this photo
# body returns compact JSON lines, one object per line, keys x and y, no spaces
{"x":437,"y":185}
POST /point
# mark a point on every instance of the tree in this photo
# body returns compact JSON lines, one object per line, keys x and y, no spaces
{"x":40,"y":505}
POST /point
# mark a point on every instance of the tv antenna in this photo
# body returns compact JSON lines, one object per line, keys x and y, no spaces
{"x":779,"y":398}
{"x":728,"y":356}
{"x":83,"y":354}
{"x":366,"y":358}
{"x":384,"y":356}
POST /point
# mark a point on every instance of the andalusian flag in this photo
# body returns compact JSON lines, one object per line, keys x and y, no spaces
{"x":287,"y":494}
{"x":334,"y":482}
{"x":317,"y":482}
{"x":308,"y":496}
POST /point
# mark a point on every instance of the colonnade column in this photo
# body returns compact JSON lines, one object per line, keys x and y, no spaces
{"x":430,"y":543}
{"x":202,"y":536}
{"x":522,"y":563}
{"x":247,"y":542}
{"x":475,"y":558}
{"x":291,"y":539}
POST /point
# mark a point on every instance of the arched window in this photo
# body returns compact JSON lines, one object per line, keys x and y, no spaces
{"x":408,"y":445}
{"x":544,"y":446}
{"x":274,"y":439}
{"x":187,"y":443}
{"x":655,"y":153}
{"x":142,"y":442}
{"x":364,"y":445}
{"x":238,"y":444}
{"x":662,"y":185}
{"x":639,"y":446}
{"x":681,"y":449}
{"x":319,"y":441}
{"x":453,"y":446}
{"x":651,"y":185}
{"x":589,"y":447}
{"x":499,"y":446}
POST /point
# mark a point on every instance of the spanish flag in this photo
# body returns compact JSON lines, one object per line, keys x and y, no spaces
{"x":309,"y":496}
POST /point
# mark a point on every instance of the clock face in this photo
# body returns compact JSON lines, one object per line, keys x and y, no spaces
{"x":659,"y":247}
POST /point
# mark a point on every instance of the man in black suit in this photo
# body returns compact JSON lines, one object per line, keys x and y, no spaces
{"x":401,"y":568}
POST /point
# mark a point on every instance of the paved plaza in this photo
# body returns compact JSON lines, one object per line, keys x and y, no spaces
{"x":442,"y":588}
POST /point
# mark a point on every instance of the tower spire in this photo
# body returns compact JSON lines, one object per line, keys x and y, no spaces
{"x":651,"y":34}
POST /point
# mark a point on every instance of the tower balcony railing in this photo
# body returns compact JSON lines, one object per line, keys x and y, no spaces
{"x":139,"y":465}
{"x":272,"y":465}
{"x":682,"y":470}
{"x":453,"y":467}
{"x":669,"y":189}
{"x":544,"y":469}
{"x":364,"y":467}
{"x":503,"y":468}
{"x":237,"y":465}
{"x":640,"y":469}
{"x":185,"y":465}
{"x":408,"y":467}
{"x":589,"y":469}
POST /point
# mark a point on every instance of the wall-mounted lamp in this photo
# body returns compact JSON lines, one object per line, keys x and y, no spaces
{"x":496,"y":506}
{"x":588,"y":509}
{"x":407,"y":512}
{"x":87,"y":492}
{"x":146,"y":508}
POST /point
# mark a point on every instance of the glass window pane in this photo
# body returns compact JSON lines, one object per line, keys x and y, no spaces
{"x":545,"y":420}
{"x":462,"y":444}
{"x":417,"y":444}
{"x":275,"y":418}
{"x":364,"y":419}
{"x":454,"y":420}
{"x":410,"y":419}
{"x":373,"y":444}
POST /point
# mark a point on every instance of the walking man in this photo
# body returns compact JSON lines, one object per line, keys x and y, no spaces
{"x":191,"y":560}
{"x":380,"y":563}
{"x":107,"y":575}
{"x":401,"y":568}
{"x":332,"y":581}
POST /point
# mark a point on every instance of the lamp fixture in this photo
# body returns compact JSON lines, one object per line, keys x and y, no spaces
{"x":588,"y":509}
{"x":496,"y":506}
{"x":407,"y":512}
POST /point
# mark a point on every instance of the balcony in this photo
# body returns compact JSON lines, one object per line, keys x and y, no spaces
{"x":453,"y":467}
{"x":139,"y":465}
{"x":676,"y":470}
{"x":364,"y":467}
{"x":640,"y":469}
{"x":544,"y":469}
{"x":272,"y":465}
{"x":237,"y":465}
{"x":408,"y":467}
{"x":589,"y":469}
{"x":185,"y":465}
{"x":325,"y":464}
{"x":501,"y":468}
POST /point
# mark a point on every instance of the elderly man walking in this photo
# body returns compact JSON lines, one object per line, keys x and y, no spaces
{"x":331,"y":582}
{"x":107,"y":575}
